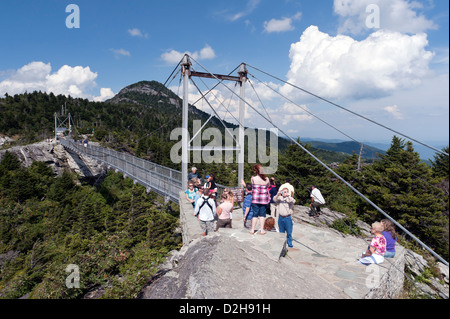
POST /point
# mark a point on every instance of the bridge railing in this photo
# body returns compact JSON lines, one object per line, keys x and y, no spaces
{"x":162,"y":180}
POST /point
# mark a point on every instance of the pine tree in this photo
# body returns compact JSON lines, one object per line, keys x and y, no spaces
{"x":404,"y":187}
{"x":441,"y":164}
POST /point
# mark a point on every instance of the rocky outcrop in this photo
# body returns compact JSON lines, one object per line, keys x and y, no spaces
{"x":221,"y":267}
{"x":417,"y":266}
{"x":326,"y":219}
{"x":231,"y":264}
{"x":58,"y":158}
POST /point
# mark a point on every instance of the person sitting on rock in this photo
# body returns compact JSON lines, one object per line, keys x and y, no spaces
{"x":269,"y":224}
{"x":391,"y":237}
{"x":375,"y":253}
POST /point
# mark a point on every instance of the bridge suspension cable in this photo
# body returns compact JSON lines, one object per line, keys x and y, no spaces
{"x":350,"y":111}
{"x":343,"y":133}
{"x":329,"y":169}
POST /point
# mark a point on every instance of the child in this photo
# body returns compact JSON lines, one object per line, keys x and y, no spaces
{"x":285,"y":203}
{"x":190,"y":194}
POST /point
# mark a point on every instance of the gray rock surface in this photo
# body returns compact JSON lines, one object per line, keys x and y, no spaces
{"x":220,"y":267}
{"x":58,"y":158}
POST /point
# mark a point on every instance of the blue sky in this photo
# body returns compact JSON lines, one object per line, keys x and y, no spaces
{"x":395,"y":72}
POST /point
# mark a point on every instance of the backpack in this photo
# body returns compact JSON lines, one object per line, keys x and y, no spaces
{"x":207,"y":203}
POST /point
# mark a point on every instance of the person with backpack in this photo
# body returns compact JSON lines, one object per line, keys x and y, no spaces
{"x":205,"y":210}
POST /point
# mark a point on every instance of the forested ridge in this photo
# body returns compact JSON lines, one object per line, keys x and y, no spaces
{"x":116,"y":230}
{"x":115,"y":233}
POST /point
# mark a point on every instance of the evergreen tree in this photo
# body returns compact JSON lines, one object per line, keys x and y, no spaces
{"x":404,"y":187}
{"x":441,"y":164}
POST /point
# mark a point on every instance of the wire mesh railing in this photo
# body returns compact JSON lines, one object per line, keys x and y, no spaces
{"x":162,"y":180}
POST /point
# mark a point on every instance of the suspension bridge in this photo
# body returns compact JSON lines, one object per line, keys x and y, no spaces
{"x":171,"y":183}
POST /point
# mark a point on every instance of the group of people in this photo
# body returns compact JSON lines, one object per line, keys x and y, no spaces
{"x":263,"y":195}
{"x":382,"y":244}
{"x":202,"y":196}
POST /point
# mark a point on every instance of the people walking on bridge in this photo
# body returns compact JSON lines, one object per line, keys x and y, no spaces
{"x":317,"y":200}
{"x":206,"y":211}
{"x":285,"y":203}
{"x":224,"y":211}
{"x":260,"y":198}
{"x":377,"y":248}
{"x":391,"y":237}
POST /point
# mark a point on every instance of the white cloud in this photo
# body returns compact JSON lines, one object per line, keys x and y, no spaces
{"x":395,"y":15}
{"x":394,"y":111}
{"x":37,"y":76}
{"x":250,"y":7}
{"x":289,"y":112}
{"x":341,"y":67}
{"x":281,"y":25}
{"x":135,"y":32}
{"x":120,"y":52}
{"x":105,"y":93}
{"x":274,"y":25}
{"x":173,"y":56}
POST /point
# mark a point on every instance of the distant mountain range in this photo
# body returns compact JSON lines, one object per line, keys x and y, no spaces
{"x":370,"y":148}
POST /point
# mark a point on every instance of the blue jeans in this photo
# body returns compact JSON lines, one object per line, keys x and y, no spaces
{"x":389,"y":254}
{"x":285,"y":224}
{"x":259,"y":210}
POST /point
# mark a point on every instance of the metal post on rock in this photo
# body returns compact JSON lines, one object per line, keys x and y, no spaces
{"x":185,"y":69}
{"x":243,"y":78}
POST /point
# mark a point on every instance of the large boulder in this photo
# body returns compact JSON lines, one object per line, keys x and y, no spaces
{"x":221,"y":267}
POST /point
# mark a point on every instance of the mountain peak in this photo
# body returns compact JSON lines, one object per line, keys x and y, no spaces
{"x":140,"y":92}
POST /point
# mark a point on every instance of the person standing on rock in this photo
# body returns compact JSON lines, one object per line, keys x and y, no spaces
{"x":247,"y":205}
{"x":375,"y":253}
{"x":285,"y":203}
{"x":317,"y":200}
{"x":206,"y":210}
{"x":289,"y":186}
{"x":260,"y":198}
{"x":224,"y":212}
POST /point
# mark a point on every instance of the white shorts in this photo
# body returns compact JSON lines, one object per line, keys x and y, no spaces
{"x":373,"y":259}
